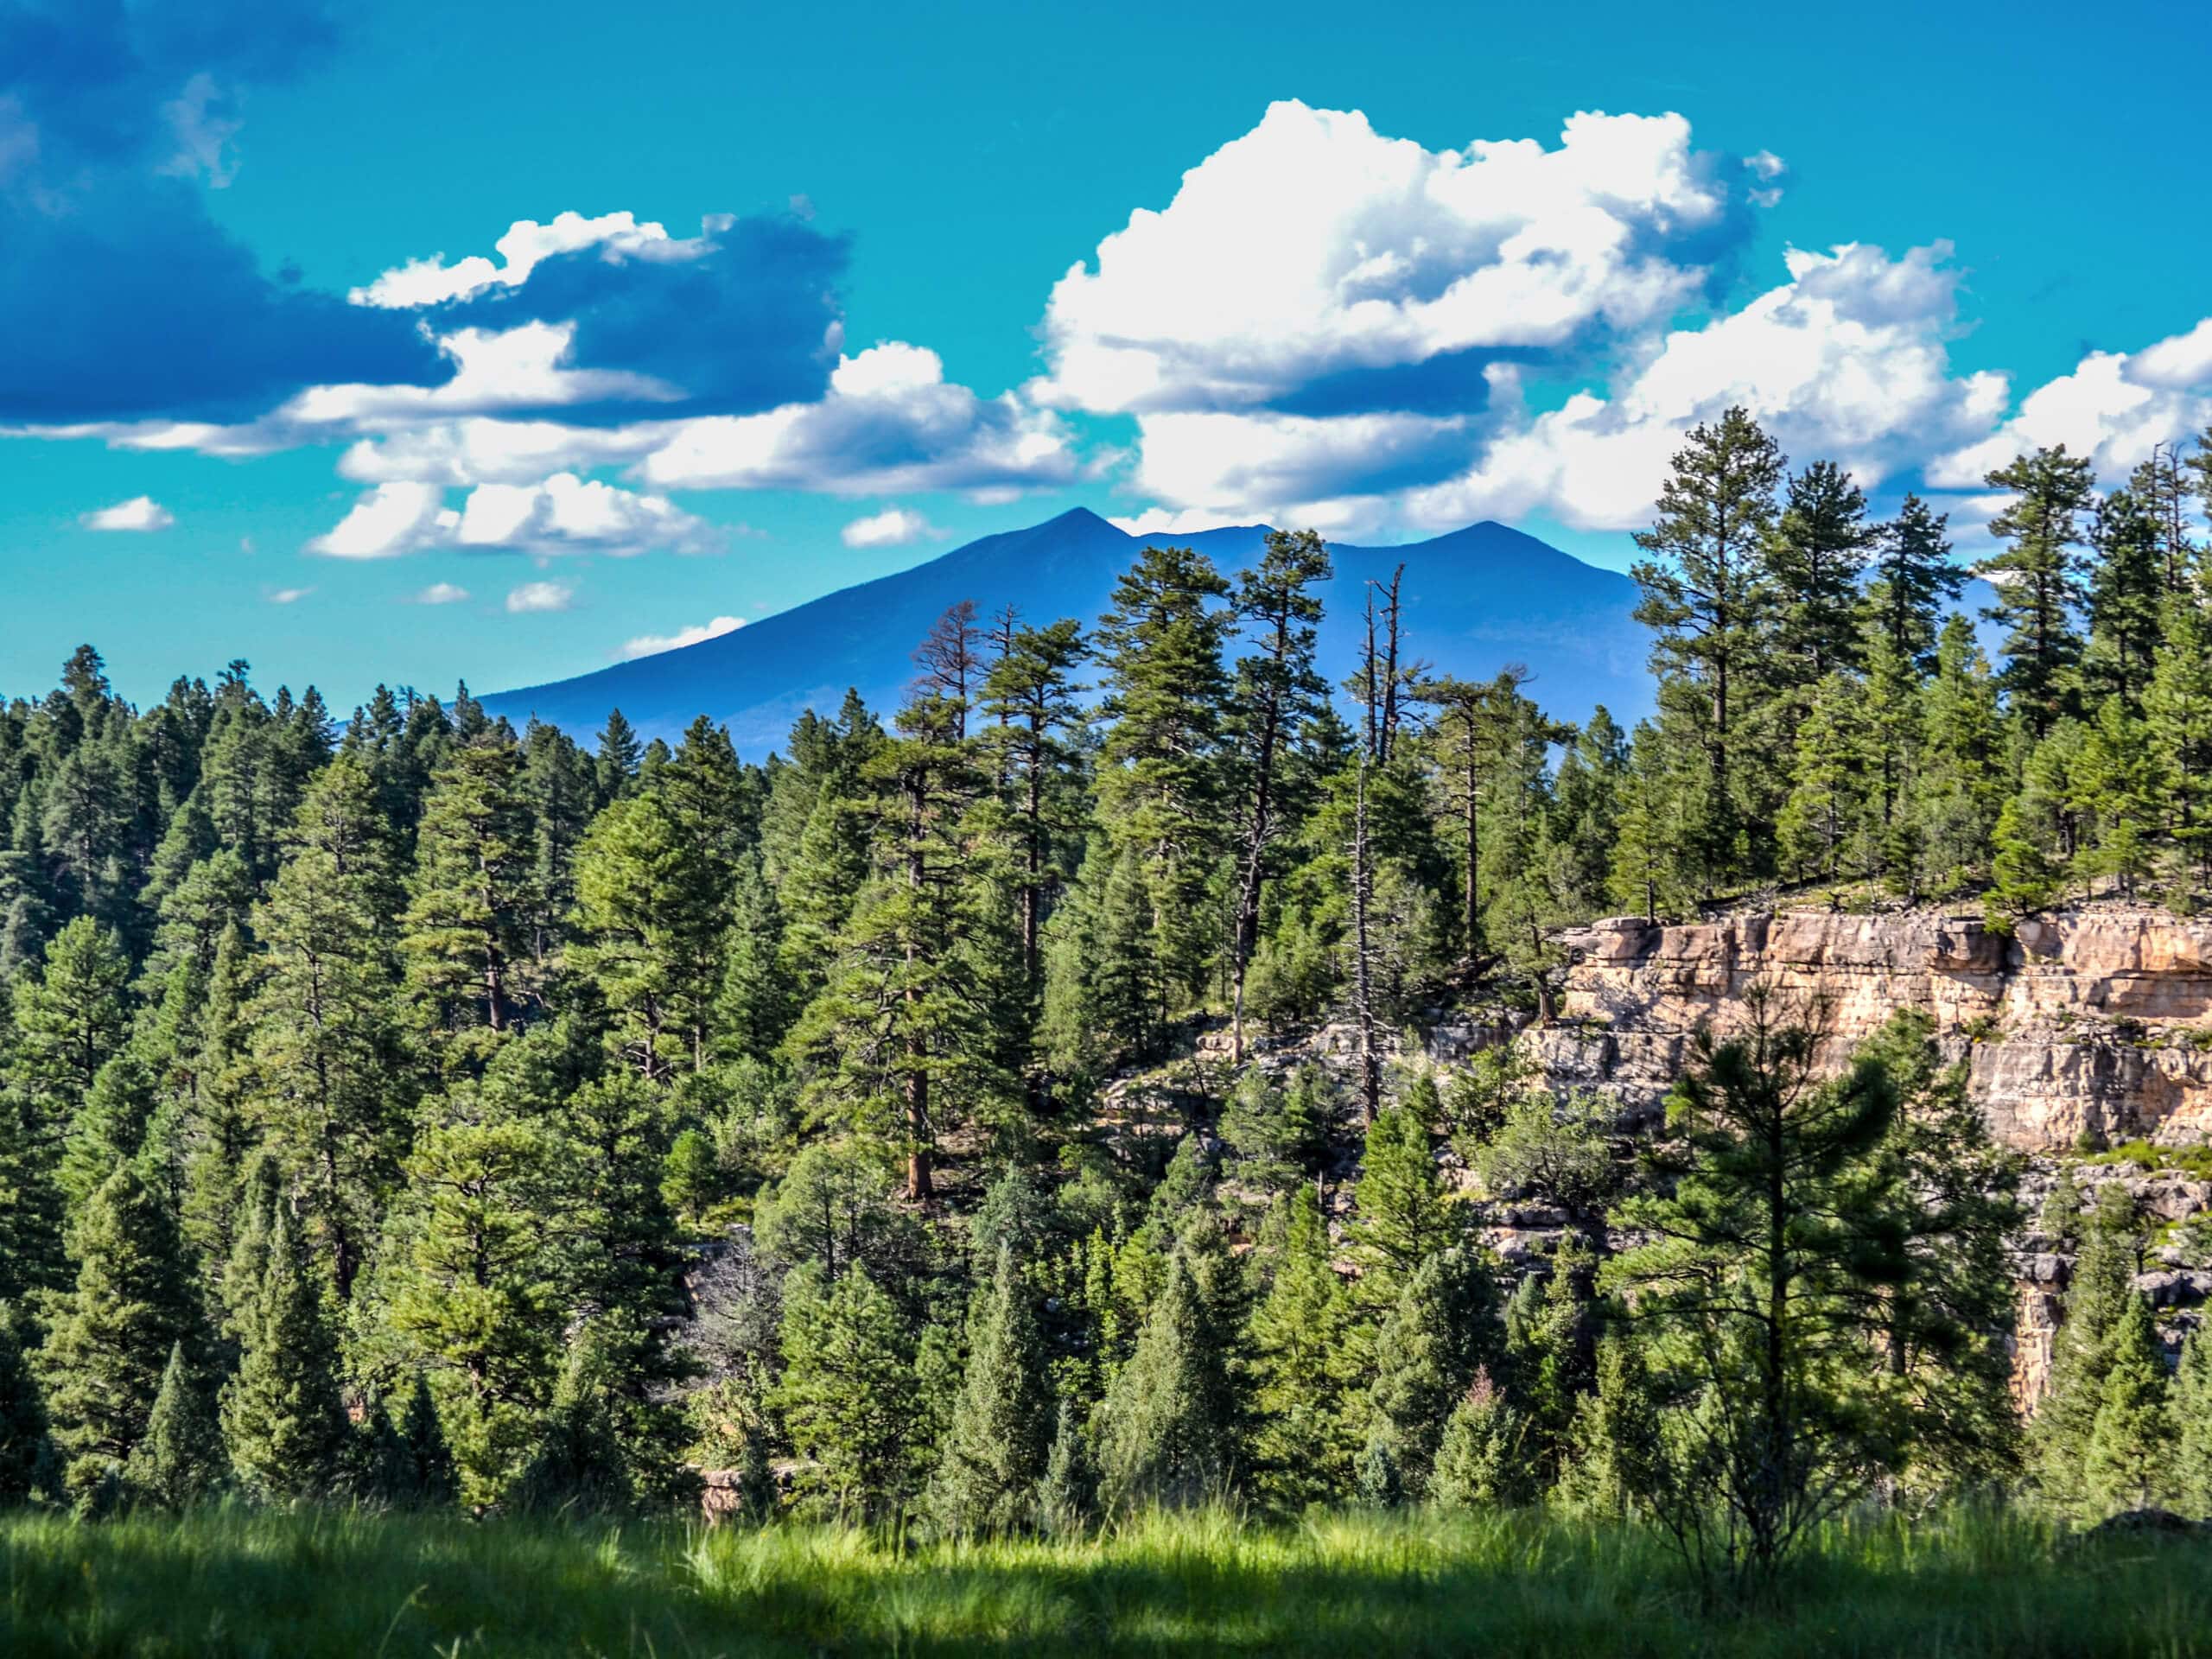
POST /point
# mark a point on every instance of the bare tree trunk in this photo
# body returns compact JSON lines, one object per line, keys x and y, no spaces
{"x":1370,"y":1059}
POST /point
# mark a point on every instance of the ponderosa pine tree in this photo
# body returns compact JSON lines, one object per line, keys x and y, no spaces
{"x":110,"y":1128}
{"x":1913,"y":581}
{"x":110,"y":1341}
{"x":1276,"y":693}
{"x":465,"y":935}
{"x":71,"y":1017}
{"x":329,"y":1062}
{"x":1030,"y":693}
{"x":32,"y":1262}
{"x":2037,"y":578}
{"x":283,"y":1418}
{"x":2097,"y":1298}
{"x":1813,"y":559}
{"x":1160,"y":781}
{"x":1707,"y":598}
{"x":2125,"y":592}
{"x":1757,"y":1279}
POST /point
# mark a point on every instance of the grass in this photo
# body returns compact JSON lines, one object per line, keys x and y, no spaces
{"x":286,"y":1585}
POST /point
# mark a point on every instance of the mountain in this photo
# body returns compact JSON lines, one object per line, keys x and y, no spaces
{"x":1475,"y":599}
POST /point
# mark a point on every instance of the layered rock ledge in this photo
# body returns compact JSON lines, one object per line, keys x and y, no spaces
{"x":2081,"y":1026}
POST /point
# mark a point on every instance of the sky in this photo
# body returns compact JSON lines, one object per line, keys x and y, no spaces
{"x":413,"y":343}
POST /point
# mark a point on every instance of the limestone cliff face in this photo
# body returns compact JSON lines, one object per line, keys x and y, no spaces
{"x":2088,"y":1022}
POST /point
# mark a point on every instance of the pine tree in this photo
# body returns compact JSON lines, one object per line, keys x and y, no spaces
{"x":2131,"y":1440}
{"x":328,"y":1054}
{"x":110,"y":1128}
{"x":1160,"y":779}
{"x":1912,"y":580}
{"x":1615,"y":1452}
{"x":848,"y":1395}
{"x":1400,"y":1215}
{"x":1031,"y":692}
{"x":995,"y":1451}
{"x":2189,"y":1409}
{"x":433,"y":1481}
{"x":1067,"y":1496}
{"x":282,"y":1416}
{"x":1434,"y":1340}
{"x":1813,"y":559}
{"x":464,"y":934}
{"x":1479,"y":1456}
{"x":578,"y":1465}
{"x":112,"y":1335}
{"x":1823,"y":826}
{"x":1707,"y":598}
{"x":2178,"y":713}
{"x":1960,"y":785}
{"x":26,"y":1448}
{"x":1276,"y":694}
{"x":1301,"y":1333}
{"x":2126,"y":591}
{"x":32,"y":1262}
{"x":2097,"y":1300}
{"x":2038,"y":578}
{"x":182,"y":1460}
{"x":1167,"y":1434}
{"x":71,"y":1018}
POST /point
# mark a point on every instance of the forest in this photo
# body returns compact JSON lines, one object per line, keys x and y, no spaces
{"x":995,"y":1118}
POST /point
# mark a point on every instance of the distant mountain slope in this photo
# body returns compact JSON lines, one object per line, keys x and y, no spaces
{"x":1475,"y":599}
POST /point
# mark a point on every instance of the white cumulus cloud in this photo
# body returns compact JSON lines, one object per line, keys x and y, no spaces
{"x":619,"y":236}
{"x":651,"y":644}
{"x":1315,"y":245}
{"x":442,"y":592}
{"x":535,"y":597}
{"x":561,"y":514}
{"x":893,"y":527}
{"x":140,"y":513}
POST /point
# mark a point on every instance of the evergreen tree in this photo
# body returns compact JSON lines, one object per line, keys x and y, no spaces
{"x":1428,"y":1352}
{"x":2178,"y":716}
{"x":1168,"y":1424}
{"x":283,"y":1417}
{"x":578,"y":1465}
{"x":1161,"y":778}
{"x":1913,"y":580}
{"x":1400,"y":1215}
{"x":2038,"y":578}
{"x":848,"y":1395}
{"x":110,"y":1342}
{"x":1479,"y":1455}
{"x":182,"y":1460}
{"x":2131,"y":1442}
{"x":32,"y":1262}
{"x":26,"y":1449}
{"x":2189,"y":1409}
{"x":995,"y":1451}
{"x":1615,"y":1452}
{"x":1707,"y":598}
{"x":71,"y":1018}
{"x":433,"y":1481}
{"x":1301,"y":1335}
{"x":2126,"y":591}
{"x":110,"y":1128}
{"x":1813,"y":559}
{"x":1067,"y":1496}
{"x":2097,"y":1299}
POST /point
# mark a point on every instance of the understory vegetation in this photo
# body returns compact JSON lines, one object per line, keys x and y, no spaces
{"x":998,"y":1130}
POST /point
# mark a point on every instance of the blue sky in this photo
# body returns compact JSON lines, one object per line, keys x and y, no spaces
{"x":837,"y":332}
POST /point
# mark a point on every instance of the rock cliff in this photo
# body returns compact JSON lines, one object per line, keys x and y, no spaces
{"x":2090,"y":1025}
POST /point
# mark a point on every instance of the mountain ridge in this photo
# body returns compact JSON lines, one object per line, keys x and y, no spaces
{"x":1476,"y":599}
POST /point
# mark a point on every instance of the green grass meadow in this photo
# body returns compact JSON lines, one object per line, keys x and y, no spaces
{"x":284,"y":1585}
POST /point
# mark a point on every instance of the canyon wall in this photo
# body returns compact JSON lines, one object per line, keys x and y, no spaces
{"x":2089,"y":1025}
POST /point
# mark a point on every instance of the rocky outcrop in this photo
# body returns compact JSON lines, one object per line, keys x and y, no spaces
{"x":2091,"y":1025}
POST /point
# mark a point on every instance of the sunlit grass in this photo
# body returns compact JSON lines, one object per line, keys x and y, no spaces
{"x":238,"y":1582}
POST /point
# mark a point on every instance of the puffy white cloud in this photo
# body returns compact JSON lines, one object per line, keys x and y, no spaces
{"x":1313,"y":245}
{"x":619,"y":236}
{"x":388,"y":520}
{"x":532,"y":597}
{"x":140,"y":513}
{"x":564,"y":513}
{"x":889,"y":423}
{"x":651,"y":644}
{"x":2114,"y":407}
{"x":893,"y":527}
{"x":442,"y":592}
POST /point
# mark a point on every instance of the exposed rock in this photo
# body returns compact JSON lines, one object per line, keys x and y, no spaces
{"x":2090,"y":1024}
